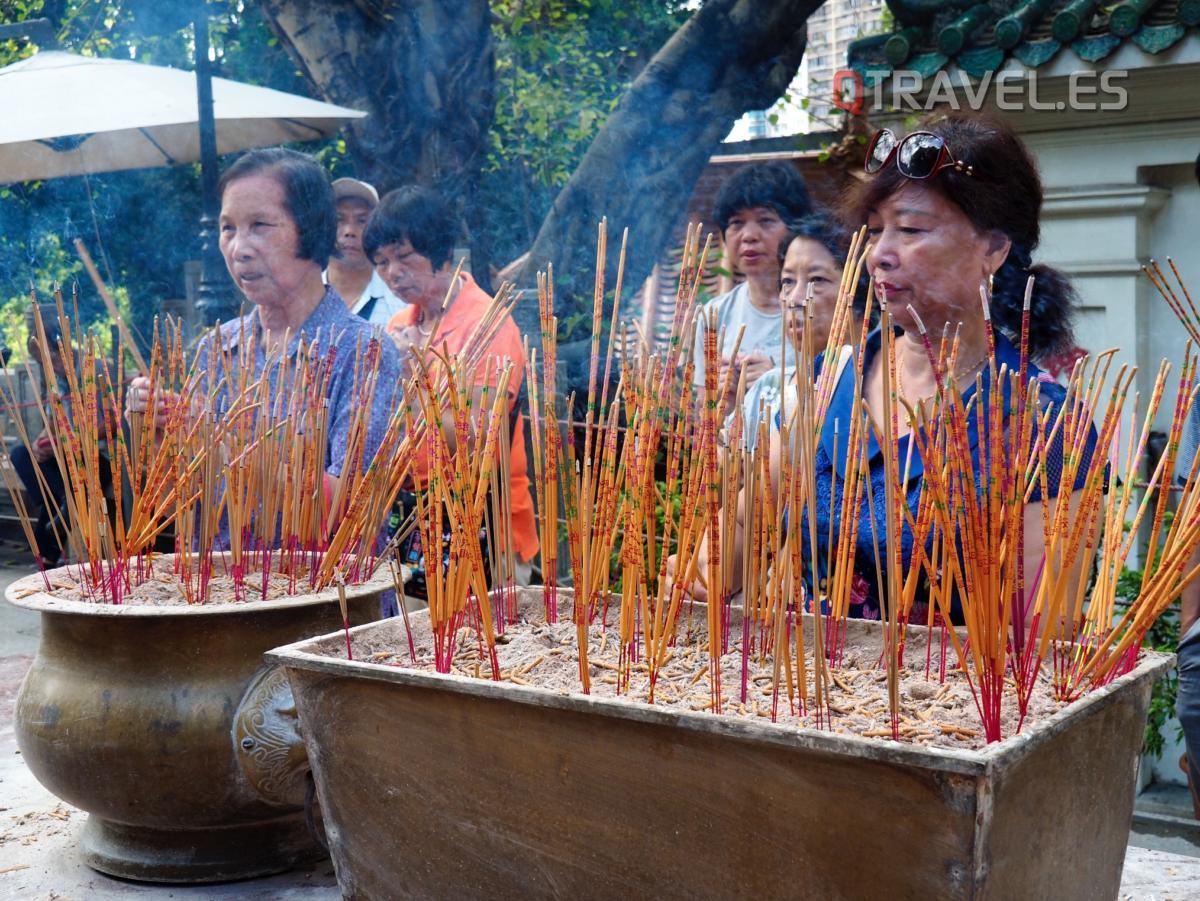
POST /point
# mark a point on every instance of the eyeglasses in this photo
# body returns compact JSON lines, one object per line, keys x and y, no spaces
{"x":921,"y":155}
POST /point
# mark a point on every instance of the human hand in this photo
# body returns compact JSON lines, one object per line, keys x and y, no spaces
{"x":137,"y":399}
{"x":727,"y":384}
{"x":697,"y":590}
{"x":755,"y":365}
{"x":727,"y":373}
{"x":43,"y":447}
{"x":409,"y":341}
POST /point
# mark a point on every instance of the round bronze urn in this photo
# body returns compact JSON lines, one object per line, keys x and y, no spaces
{"x":165,"y":725}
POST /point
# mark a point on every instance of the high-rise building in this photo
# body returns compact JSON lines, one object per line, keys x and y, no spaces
{"x":830,"y":31}
{"x":787,"y":117}
{"x":808,"y":106}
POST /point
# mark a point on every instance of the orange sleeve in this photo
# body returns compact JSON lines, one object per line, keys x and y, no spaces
{"x":403,"y":319}
{"x":326,"y":498}
{"x":506,"y":343}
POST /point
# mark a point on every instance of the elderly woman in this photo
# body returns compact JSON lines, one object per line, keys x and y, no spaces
{"x":810,"y":261}
{"x":277,"y":231}
{"x":410,"y":238}
{"x":952,"y":207}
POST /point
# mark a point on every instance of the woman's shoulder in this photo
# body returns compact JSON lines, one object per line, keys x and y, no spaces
{"x":1050,"y":392}
{"x":728,"y":305}
{"x":229,"y":334}
{"x":333,"y":325}
{"x":840,"y":357}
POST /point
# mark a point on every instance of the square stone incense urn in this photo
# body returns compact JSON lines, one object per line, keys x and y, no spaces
{"x":447,"y":786}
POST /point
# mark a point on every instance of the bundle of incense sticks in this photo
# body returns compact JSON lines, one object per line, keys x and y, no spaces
{"x":451,"y":510}
{"x":659,"y":423}
{"x":1019,"y":500}
{"x":227,"y":449}
{"x":1106,"y":649}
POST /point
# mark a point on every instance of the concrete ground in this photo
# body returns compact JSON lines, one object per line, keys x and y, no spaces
{"x":39,"y":858}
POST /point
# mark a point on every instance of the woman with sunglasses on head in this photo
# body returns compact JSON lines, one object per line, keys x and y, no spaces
{"x":950,"y":209}
{"x":810,"y":274}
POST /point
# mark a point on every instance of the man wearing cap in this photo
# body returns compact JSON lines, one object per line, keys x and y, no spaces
{"x":350,"y":272}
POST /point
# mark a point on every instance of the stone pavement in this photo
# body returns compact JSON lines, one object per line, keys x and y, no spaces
{"x":39,"y":860}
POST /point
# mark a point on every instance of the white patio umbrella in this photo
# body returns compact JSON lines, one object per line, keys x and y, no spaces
{"x":63,"y":114}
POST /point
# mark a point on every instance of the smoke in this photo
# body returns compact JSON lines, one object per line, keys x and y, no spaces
{"x":139,"y":226}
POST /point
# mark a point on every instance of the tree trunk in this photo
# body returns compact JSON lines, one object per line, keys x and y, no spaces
{"x":729,"y":57}
{"x":424,"y":70}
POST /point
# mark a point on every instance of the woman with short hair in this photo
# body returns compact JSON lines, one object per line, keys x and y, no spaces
{"x":810,"y":275}
{"x":411,"y":238}
{"x":277,"y":231}
{"x":752,"y":210}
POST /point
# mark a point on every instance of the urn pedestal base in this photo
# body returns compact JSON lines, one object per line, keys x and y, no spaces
{"x":193,"y":856}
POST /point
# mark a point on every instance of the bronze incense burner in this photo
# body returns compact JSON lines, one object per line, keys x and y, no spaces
{"x":166,"y":726}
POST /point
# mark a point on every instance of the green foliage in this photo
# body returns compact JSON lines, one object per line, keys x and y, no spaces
{"x":140,"y":226}
{"x":561,"y":68}
{"x":1163,"y":636}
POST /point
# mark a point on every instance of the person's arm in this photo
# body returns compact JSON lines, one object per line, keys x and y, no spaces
{"x":698,"y":588}
{"x":389,"y":391}
{"x":1189,"y":600}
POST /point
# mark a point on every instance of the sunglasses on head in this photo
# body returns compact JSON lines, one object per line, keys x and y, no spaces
{"x":921,"y":155}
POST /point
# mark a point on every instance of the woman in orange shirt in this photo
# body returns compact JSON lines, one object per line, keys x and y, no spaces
{"x":410,"y":239}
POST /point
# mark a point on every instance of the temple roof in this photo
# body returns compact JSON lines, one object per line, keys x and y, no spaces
{"x":978,"y":38}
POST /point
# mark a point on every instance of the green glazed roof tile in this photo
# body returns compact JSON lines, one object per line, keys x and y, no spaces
{"x":1072,"y":19}
{"x":1035,"y":53}
{"x":928,"y":34}
{"x":899,"y":45}
{"x":981,"y":60}
{"x":927,"y":64}
{"x":1024,"y":14}
{"x":1094,"y":49}
{"x":954,"y":36}
{"x":1157,"y":38}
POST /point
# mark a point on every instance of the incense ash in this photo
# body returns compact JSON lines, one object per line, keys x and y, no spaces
{"x":937,"y":708}
{"x":164,"y":588}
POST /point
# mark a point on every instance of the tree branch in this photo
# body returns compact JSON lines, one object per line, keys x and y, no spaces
{"x":730,"y":57}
